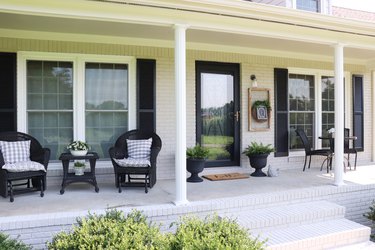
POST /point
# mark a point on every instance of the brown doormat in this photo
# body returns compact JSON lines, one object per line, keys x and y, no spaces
{"x":222,"y":177}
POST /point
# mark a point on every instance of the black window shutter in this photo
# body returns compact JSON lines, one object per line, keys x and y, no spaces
{"x":8,"y":107}
{"x":358,"y":128}
{"x":146,"y":84}
{"x":281,"y":112}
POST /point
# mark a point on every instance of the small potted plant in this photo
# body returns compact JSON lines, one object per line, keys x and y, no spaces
{"x":196,"y":157}
{"x":258,"y":154}
{"x":78,"y":148}
{"x":79,"y":168}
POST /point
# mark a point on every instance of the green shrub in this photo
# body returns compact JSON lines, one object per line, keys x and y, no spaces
{"x":111,"y":231}
{"x":212,"y":233}
{"x":371,"y":216}
{"x":115,"y":231}
{"x":7,"y":243}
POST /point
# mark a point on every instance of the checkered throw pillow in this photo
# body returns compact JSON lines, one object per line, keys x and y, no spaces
{"x":131,"y":162}
{"x":139,"y":149}
{"x":22,"y":166}
{"x":15,"y":151}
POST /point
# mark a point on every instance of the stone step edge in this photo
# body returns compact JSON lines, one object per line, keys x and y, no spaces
{"x":286,"y":215}
{"x":321,"y":235}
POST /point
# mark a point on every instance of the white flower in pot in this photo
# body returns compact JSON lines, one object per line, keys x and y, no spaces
{"x":78,"y":148}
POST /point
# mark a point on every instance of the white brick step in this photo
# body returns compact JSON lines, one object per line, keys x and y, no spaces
{"x":369,"y":245}
{"x":329,"y":234}
{"x":279,"y":216}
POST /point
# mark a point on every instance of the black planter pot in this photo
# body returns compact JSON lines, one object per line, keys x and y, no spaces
{"x":258,"y":162}
{"x":195,"y":166}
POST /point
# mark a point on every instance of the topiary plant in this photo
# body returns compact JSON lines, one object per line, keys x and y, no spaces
{"x":12,"y":244}
{"x":212,"y":233}
{"x":111,"y":231}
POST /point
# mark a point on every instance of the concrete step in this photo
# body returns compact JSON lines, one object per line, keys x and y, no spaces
{"x":282,"y":216}
{"x":329,"y":234}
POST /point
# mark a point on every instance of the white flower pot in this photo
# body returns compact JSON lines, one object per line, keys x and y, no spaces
{"x":79,"y":171}
{"x":78,"y":152}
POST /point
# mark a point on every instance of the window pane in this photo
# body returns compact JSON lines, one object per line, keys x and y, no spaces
{"x":328,"y":106}
{"x":301,"y":108}
{"x":309,"y":5}
{"x":106,"y":89}
{"x":49,"y":114}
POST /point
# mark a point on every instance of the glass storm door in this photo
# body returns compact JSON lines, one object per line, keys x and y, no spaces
{"x":217,"y":112}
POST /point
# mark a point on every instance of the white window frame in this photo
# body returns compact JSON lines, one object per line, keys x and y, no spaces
{"x":318,"y":73}
{"x":79,"y":61}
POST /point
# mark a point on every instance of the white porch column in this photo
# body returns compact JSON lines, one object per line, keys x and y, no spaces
{"x":180,"y":85}
{"x":339,"y":114}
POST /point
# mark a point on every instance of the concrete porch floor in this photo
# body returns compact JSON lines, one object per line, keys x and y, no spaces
{"x":82,"y":197}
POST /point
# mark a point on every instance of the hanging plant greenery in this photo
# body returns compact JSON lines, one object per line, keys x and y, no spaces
{"x":264,"y":103}
{"x":260,"y":110}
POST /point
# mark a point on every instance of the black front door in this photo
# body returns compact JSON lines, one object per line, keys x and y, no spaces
{"x":218,"y":112}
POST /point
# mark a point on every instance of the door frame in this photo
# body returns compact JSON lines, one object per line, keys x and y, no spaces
{"x":219,"y":67}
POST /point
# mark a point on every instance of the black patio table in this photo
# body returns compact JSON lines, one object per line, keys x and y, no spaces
{"x":88,"y":177}
{"x":332,"y":144}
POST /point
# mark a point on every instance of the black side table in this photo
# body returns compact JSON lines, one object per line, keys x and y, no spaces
{"x":88,"y":177}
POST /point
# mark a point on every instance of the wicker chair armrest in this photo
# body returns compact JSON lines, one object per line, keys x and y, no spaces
{"x":154,"y":153}
{"x":42,"y":156}
{"x":1,"y":160}
{"x":117,"y":153}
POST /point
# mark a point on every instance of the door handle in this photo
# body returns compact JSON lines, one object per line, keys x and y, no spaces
{"x":237,"y":116}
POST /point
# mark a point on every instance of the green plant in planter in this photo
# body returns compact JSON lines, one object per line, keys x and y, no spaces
{"x":264,"y":103}
{"x":258,"y":154}
{"x":196,"y":157}
{"x":258,"y":148}
{"x":197,"y":152}
{"x":79,"y":164}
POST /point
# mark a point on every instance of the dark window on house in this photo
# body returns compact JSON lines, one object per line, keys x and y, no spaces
{"x":308,"y":5}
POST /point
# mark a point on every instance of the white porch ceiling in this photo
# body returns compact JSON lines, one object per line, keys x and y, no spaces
{"x":212,"y":39}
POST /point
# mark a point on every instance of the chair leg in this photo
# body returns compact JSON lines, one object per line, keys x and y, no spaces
{"x":304,"y":165}
{"x":119,"y":183}
{"x":350,"y":166}
{"x":310,"y":162}
{"x":41,"y":186}
{"x":355,"y":162}
{"x":146,"y":176}
{"x":11,"y":191}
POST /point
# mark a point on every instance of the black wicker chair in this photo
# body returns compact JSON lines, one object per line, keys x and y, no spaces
{"x":309,"y":152}
{"x":37,"y":178}
{"x":125,"y":176}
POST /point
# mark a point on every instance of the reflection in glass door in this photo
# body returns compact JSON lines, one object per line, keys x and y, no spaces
{"x":218,"y":112}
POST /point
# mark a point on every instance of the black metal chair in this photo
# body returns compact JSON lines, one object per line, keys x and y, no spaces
{"x":124,"y":176}
{"x":37,"y":178}
{"x":348,"y":150}
{"x":310,"y":152}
